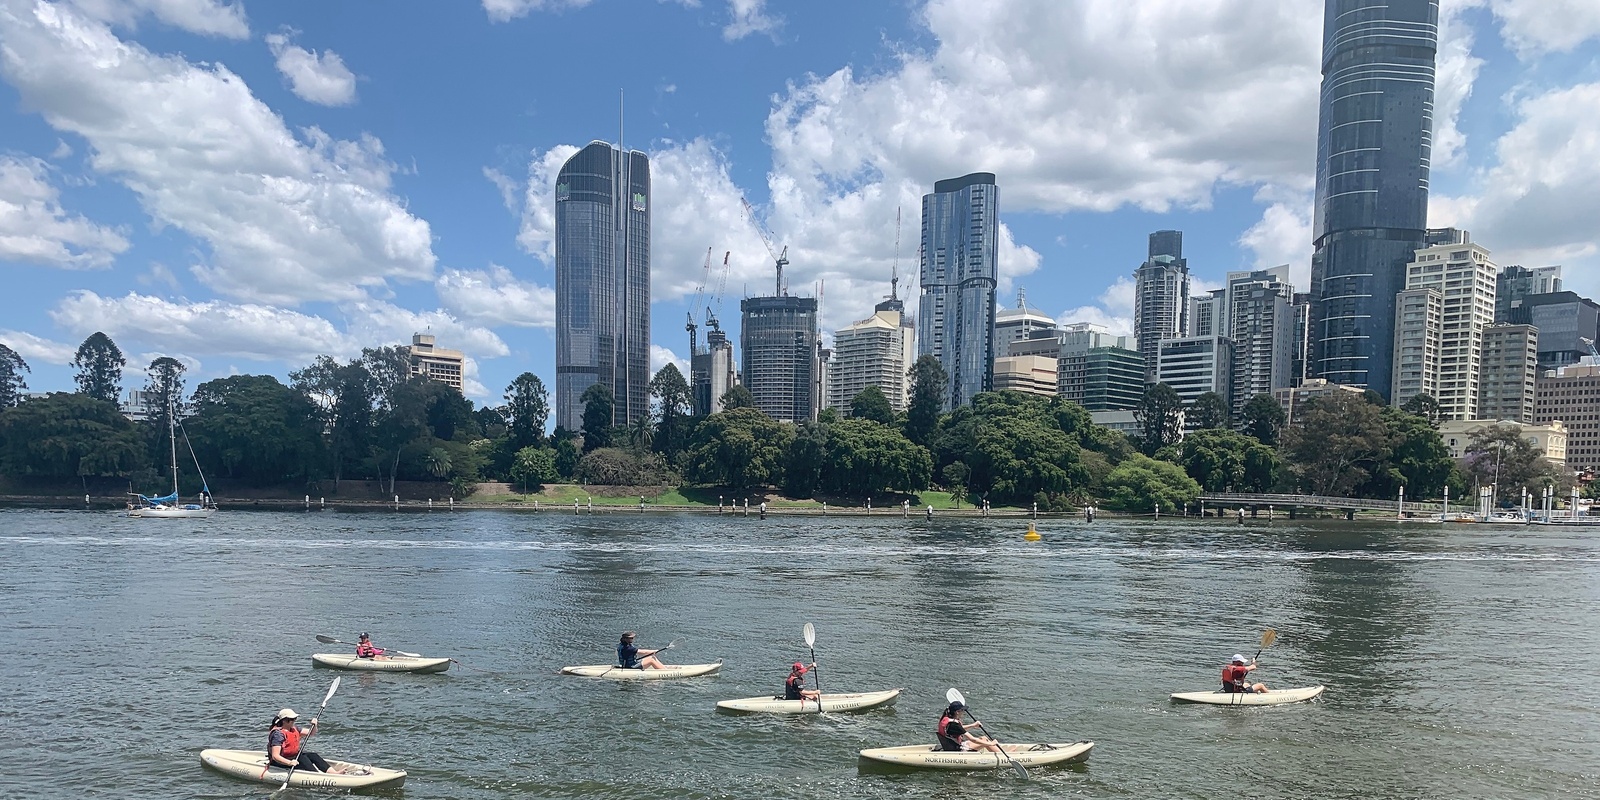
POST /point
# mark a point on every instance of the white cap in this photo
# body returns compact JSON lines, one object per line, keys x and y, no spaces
{"x":287,"y":713}
{"x":1238,"y":658}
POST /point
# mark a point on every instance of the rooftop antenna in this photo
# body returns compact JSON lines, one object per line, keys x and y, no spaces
{"x":619,"y":120}
{"x":1022,"y":299}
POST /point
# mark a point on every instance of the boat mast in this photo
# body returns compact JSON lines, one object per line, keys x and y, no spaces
{"x":172,"y":438}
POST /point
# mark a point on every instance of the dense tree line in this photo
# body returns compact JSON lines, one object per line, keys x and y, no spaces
{"x":370,"y":418}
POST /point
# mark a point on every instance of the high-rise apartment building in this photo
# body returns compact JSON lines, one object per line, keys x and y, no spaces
{"x":1464,"y":276}
{"x":780,"y":349}
{"x":436,"y":363}
{"x":1160,"y":297}
{"x":1261,"y":324}
{"x":1374,"y":140}
{"x":1017,"y":324}
{"x":1208,"y":314}
{"x":1418,"y":321}
{"x":1564,"y":320}
{"x":1099,"y":371}
{"x":877,"y":351}
{"x":1514,"y":284}
{"x":1194,"y":365}
{"x":960,"y":247}
{"x":1571,"y":395}
{"x":602,"y":240}
{"x":1035,"y":375}
{"x":1510,"y":370}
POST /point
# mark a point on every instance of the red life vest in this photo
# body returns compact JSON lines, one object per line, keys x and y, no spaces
{"x":1234,"y":674}
{"x":944,"y":726}
{"x":291,"y":742}
{"x":366,"y":650}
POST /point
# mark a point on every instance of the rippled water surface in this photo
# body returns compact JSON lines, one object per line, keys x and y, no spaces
{"x":1461,"y":663}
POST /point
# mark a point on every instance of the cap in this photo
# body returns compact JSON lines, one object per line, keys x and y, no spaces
{"x":287,"y":713}
{"x":957,"y":705}
{"x":364,"y":636}
{"x":799,"y":667}
{"x":628,"y":635}
{"x":1239,"y":659}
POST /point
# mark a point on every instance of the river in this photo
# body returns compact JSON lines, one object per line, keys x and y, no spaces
{"x":1461,"y":662}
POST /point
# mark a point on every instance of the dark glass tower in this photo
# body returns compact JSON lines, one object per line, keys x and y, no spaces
{"x":603,"y":281}
{"x":955,"y":317}
{"x":1374,"y":138}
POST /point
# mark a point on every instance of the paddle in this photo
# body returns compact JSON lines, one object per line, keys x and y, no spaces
{"x":331,"y":640}
{"x":810,"y":632}
{"x":954,"y":696}
{"x":325,"y":698}
{"x":670,"y":645}
{"x":1268,"y":636}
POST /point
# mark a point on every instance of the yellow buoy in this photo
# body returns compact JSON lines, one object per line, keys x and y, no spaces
{"x":1032,"y":535}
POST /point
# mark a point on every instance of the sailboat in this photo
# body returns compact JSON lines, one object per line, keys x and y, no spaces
{"x":167,"y":507}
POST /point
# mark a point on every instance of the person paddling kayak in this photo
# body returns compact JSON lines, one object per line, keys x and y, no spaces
{"x":1236,"y":677}
{"x":794,"y":687}
{"x":283,"y":743}
{"x":365,"y":649}
{"x":631,"y":657}
{"x":953,"y":735}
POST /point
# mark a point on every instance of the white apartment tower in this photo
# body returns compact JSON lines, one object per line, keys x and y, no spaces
{"x":877,"y":351}
{"x":1261,"y":324}
{"x":1461,"y":272}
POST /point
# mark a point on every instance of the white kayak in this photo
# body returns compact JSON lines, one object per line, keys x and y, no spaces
{"x":858,"y":701}
{"x":1276,"y":697}
{"x":386,"y":664}
{"x":620,"y":674}
{"x":922,"y":756}
{"x":251,"y":765}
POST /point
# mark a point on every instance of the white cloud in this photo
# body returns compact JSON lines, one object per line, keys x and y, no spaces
{"x":1535,"y":27}
{"x":1283,"y":236}
{"x":1113,"y":309}
{"x":496,"y":297}
{"x":507,"y":10}
{"x":36,"y":349}
{"x":1455,"y":72}
{"x":205,"y":17}
{"x":35,"y":229}
{"x":747,"y":17}
{"x":209,"y":328}
{"x":661,"y":356}
{"x":320,"y":78}
{"x":62,"y":150}
{"x":287,"y":218}
{"x":374,"y":322}
{"x":508,"y":187}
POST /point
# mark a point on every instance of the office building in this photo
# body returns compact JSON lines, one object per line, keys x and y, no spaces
{"x":1509,"y":373}
{"x":1194,"y":365}
{"x":956,"y":315}
{"x":1571,"y":395}
{"x":1419,"y":321}
{"x":877,"y":351}
{"x":1034,"y":375}
{"x":436,"y":363}
{"x":1099,"y":371}
{"x":1293,"y":399}
{"x":1374,"y":140}
{"x":1548,"y":439}
{"x":1160,"y":297}
{"x":1017,"y":324}
{"x":1260,"y":316}
{"x":602,"y":242}
{"x":712,"y":372}
{"x":1564,"y":320}
{"x":780,"y":349}
{"x":1464,"y":276}
{"x":1514,"y":284}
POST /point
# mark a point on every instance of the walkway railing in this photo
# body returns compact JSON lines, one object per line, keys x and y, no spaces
{"x":1308,"y":501}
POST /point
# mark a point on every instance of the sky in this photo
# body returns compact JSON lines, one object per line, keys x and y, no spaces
{"x":246,"y":185}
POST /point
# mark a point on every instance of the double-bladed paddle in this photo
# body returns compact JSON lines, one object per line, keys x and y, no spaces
{"x":331,"y":640}
{"x":954,"y":696}
{"x":810,"y":632}
{"x":325,"y":698}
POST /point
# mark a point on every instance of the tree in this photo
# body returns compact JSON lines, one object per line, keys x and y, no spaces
{"x":1499,"y":456}
{"x":641,"y":433}
{"x":871,"y":403}
{"x":1263,"y":418}
{"x":929,"y":382}
{"x":805,"y":460}
{"x":1335,"y":445}
{"x":1209,"y":412}
{"x":533,"y":467}
{"x":1160,"y":418}
{"x":955,"y":477}
{"x":1221,"y":460}
{"x":254,"y":429}
{"x":598,"y":408}
{"x":390,"y":368}
{"x":1014,"y":447}
{"x":528,"y":411}
{"x":864,"y":457}
{"x":1417,"y":460}
{"x":738,"y":397}
{"x":163,"y":390}
{"x":65,"y":435}
{"x":1423,"y":405}
{"x":674,"y":411}
{"x":12,"y":384}
{"x":1140,"y":483}
{"x":566,"y":457}
{"x":740,"y":449}
{"x":614,"y":466}
{"x":99,"y":364}
{"x":343,"y":396}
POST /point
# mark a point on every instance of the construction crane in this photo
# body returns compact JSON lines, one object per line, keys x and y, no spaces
{"x":780,"y":260}
{"x":894,"y":272}
{"x":1589,"y":343}
{"x":699,"y":292}
{"x":722,"y":281}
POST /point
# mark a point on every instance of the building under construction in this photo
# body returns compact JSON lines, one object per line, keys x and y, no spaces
{"x":779,"y":344}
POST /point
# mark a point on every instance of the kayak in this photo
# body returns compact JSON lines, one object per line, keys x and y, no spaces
{"x":922,"y":756}
{"x":390,"y":664}
{"x":858,"y":701}
{"x":251,"y":765}
{"x":1276,"y":697}
{"x":619,"y":674}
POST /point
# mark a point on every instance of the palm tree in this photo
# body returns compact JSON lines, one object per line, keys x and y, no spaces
{"x":641,"y":432}
{"x":437,"y":462}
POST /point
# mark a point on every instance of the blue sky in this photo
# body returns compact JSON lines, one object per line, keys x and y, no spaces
{"x":245,"y":185}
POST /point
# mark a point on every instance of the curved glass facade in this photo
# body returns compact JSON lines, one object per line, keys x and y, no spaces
{"x":1374,"y":139}
{"x":955,"y":320}
{"x":603,"y":281}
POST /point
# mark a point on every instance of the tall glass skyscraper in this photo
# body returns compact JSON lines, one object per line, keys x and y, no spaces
{"x":603,"y":281}
{"x":960,"y":241}
{"x":1374,"y":138}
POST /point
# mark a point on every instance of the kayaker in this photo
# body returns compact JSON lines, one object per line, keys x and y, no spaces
{"x":794,"y":687}
{"x":283,"y":743}
{"x":1236,"y":677}
{"x":953,"y":735}
{"x":631,"y":657}
{"x":365,"y":649}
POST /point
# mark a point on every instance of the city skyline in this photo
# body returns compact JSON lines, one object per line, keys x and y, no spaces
{"x":340,"y":196}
